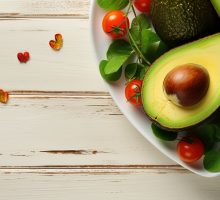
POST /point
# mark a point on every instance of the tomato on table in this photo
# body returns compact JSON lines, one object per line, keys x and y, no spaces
{"x":190,"y":149}
{"x":142,"y":5}
{"x":115,"y":24}
{"x":133,"y":92}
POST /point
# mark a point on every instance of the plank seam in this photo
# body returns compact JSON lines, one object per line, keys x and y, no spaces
{"x":58,"y":94}
{"x":176,"y":167}
{"x":17,"y":16}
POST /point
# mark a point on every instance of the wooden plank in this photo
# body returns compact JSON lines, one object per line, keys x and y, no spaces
{"x":44,"y":8}
{"x":124,"y":184}
{"x":73,"y":129}
{"x":71,"y":69}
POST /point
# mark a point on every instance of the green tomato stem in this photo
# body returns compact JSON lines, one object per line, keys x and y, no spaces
{"x":137,"y":50}
{"x":133,"y":43}
{"x":138,"y":20}
{"x":129,"y":7}
{"x":133,"y":8}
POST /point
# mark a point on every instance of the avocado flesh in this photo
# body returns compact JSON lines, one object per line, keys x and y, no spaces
{"x":180,"y":21}
{"x":216,"y":4}
{"x":205,"y":52}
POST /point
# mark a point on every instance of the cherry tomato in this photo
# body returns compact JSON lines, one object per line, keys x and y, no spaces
{"x":142,"y":5}
{"x":115,"y":24}
{"x":133,"y":92}
{"x":190,"y":149}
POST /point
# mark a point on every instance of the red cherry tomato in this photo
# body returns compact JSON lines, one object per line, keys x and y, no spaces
{"x":190,"y":149}
{"x":142,"y":5}
{"x":115,"y":24}
{"x":133,"y":92}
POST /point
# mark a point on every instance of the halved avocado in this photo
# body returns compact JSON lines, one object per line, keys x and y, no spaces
{"x":204,"y":52}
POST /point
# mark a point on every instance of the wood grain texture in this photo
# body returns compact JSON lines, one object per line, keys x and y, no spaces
{"x":71,"y":69}
{"x":44,"y":8}
{"x":64,"y":128}
{"x":99,"y":184}
{"x":62,"y":137}
{"x":73,"y":129}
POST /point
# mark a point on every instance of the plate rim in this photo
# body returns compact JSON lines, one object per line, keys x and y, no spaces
{"x":160,"y":148}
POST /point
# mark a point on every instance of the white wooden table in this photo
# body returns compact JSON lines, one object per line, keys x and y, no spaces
{"x":62,"y":137}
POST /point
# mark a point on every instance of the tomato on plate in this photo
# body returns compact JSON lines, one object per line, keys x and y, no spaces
{"x":133,"y":92}
{"x":142,"y":5}
{"x":190,"y":149}
{"x":115,"y":24}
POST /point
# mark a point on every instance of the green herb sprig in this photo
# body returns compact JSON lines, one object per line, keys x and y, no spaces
{"x":142,"y":45}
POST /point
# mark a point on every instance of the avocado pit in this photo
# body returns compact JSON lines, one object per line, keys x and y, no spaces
{"x":187,"y":84}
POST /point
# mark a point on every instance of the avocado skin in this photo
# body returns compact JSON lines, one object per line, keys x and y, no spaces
{"x":215,"y":115}
{"x":216,"y":4}
{"x":181,"y":21}
{"x":188,"y":128}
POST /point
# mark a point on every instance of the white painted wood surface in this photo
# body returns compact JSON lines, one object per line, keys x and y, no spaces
{"x":44,"y":8}
{"x":72,"y":129}
{"x":62,"y":137}
{"x":71,"y":69}
{"x":126,"y":184}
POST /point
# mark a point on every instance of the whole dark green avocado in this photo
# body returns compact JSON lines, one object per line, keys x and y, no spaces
{"x":181,"y":21}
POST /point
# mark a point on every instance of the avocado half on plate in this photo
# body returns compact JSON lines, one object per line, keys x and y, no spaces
{"x":182,"y":88}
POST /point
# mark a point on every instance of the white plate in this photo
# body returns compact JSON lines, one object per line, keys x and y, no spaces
{"x":137,"y":117}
